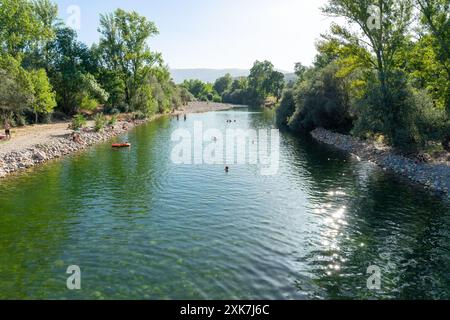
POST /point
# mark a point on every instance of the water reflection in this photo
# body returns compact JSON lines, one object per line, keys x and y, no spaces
{"x":142,"y":227}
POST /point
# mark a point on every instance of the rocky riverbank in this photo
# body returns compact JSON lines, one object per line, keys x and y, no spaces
{"x":434,"y":176}
{"x":59,"y":147}
{"x":56,"y":140}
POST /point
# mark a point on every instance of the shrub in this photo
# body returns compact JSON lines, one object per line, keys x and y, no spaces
{"x":88,"y":103}
{"x":100,"y":121}
{"x":406,"y":117}
{"x":286,"y":109}
{"x":78,"y":122}
{"x":113,"y":120}
{"x":144,"y":102}
{"x":323,"y":101}
{"x":139,"y":115}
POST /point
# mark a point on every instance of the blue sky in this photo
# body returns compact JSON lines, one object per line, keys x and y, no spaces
{"x":219,"y":33}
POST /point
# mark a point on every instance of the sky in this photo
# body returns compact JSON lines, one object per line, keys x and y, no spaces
{"x":217,"y":33}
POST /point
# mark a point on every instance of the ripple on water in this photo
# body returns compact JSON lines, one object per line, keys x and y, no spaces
{"x":141,"y":227}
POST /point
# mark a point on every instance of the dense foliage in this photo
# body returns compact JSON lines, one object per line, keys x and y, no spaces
{"x":264,"y":84}
{"x":384,"y":73}
{"x":44,"y":68}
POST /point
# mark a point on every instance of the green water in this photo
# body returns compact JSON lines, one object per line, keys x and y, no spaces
{"x":141,"y":227}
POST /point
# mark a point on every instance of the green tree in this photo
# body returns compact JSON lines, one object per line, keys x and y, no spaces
{"x":381,"y":29}
{"x":44,"y":97}
{"x":322,"y":100}
{"x":21,"y":27}
{"x":223,"y":84}
{"x":286,"y":109}
{"x":264,"y":81}
{"x":16,"y":88}
{"x":69,"y":74}
{"x":124,"y":48}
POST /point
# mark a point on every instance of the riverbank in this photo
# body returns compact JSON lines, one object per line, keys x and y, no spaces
{"x":34,"y":145}
{"x":433,"y":175}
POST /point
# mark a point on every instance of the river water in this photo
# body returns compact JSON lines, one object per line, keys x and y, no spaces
{"x":142,"y":227}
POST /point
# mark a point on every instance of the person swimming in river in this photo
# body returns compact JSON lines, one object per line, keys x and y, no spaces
{"x":227,"y":169}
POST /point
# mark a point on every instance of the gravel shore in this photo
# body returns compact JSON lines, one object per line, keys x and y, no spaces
{"x":434,"y":176}
{"x":33,"y":145}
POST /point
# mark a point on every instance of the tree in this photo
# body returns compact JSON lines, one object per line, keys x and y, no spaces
{"x":70,"y":75}
{"x":21,"y":28}
{"x":202,"y":91}
{"x":286,"y":109}
{"x":223,"y":84}
{"x":383,"y":29}
{"x":435,"y":18}
{"x":16,"y":88}
{"x":264,"y":81}
{"x":44,"y":97}
{"x":124,"y":48}
{"x":322,"y":101}
{"x":47,"y":13}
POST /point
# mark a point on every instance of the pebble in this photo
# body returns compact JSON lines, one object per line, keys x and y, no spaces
{"x":16,"y":161}
{"x":436,"y":176}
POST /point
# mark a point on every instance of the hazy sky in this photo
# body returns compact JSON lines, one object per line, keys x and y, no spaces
{"x":219,"y":33}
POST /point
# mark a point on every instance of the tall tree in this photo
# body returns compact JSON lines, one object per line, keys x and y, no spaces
{"x":264,"y":81}
{"x":21,"y":28}
{"x":380,"y":27}
{"x":223,"y":84}
{"x":124,"y":48}
{"x":436,"y":19}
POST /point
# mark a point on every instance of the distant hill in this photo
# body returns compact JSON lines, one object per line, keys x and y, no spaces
{"x":211,"y":75}
{"x":206,"y":75}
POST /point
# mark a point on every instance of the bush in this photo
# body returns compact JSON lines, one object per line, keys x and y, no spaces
{"x":407,"y":118}
{"x":323,"y":101}
{"x":88,"y":103}
{"x":139,"y":115}
{"x":144,"y":102}
{"x":78,"y":122}
{"x":113,"y":120}
{"x":286,"y":109}
{"x":100,"y":121}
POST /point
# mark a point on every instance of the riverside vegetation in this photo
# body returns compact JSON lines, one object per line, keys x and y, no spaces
{"x":47,"y":73}
{"x":383,"y":77}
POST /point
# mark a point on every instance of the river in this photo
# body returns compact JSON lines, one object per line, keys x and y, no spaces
{"x":140,"y":226}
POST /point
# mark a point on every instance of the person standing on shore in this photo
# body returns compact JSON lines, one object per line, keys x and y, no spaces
{"x":7,"y":130}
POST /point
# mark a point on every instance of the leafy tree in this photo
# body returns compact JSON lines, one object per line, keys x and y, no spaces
{"x":383,"y":28}
{"x":435,"y":18}
{"x":21,"y":27}
{"x":223,"y":84}
{"x":202,"y":91}
{"x":44,"y":97}
{"x":124,"y":48}
{"x":286,"y":109}
{"x":264,"y":81}
{"x":16,"y":88}
{"x":70,"y":73}
{"x":322,"y":101}
{"x":46,"y":13}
